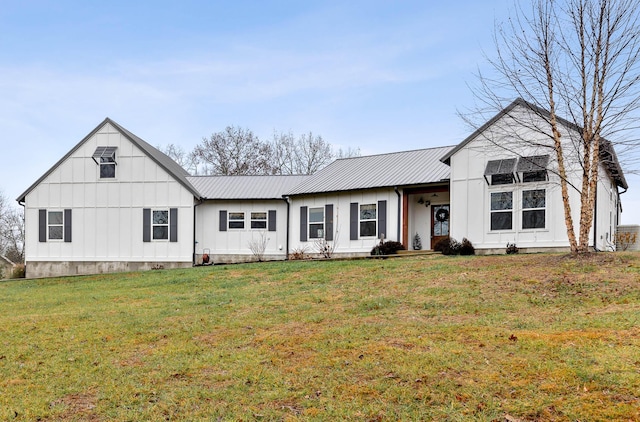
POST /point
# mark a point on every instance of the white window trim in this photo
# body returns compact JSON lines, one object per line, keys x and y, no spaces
{"x":363,"y":220}
{"x":265,"y":220}
{"x":512,"y":209}
{"x":316,"y":223}
{"x":168,"y":225}
{"x":523,"y":209}
{"x":232,"y":220}
{"x":49,"y":225}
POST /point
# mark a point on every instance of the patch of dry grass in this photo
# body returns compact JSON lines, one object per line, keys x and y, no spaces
{"x":537,"y":337}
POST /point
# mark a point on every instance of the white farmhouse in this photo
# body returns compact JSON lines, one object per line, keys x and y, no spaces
{"x":115,"y":203}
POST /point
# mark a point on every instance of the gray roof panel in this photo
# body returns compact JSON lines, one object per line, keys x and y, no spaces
{"x":405,"y":168}
{"x":245,"y":187}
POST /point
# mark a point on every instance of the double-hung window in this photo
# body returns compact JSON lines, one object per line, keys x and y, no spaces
{"x":55,"y":222}
{"x":236,"y":220}
{"x":533,"y":209}
{"x":316,"y":223}
{"x":258,"y":220}
{"x":501,"y":210}
{"x":368,"y":220}
{"x":160,"y":224}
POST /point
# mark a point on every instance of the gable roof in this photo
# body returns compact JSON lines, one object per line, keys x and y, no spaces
{"x":164,"y":161}
{"x":608,"y":156}
{"x":405,"y":168}
{"x":245,"y":187}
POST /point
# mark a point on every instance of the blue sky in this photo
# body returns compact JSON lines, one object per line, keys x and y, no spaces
{"x":376,"y":75}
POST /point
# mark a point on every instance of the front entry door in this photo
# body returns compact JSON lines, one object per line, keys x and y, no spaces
{"x":439,"y":223}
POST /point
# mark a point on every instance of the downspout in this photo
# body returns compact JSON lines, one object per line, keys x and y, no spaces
{"x":200,"y":201}
{"x":286,"y":199}
{"x":395,"y":188}
{"x":595,"y":220}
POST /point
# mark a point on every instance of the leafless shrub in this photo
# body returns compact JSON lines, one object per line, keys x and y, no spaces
{"x":259,"y":246}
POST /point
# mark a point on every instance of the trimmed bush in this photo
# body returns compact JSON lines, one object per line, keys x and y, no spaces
{"x":387,"y":248}
{"x":466,"y":247}
{"x":450,"y":246}
{"x":511,"y":248}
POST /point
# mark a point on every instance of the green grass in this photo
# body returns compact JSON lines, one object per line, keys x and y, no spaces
{"x":537,"y":337}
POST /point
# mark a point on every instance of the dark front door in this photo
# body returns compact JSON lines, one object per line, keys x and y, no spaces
{"x":439,"y":223}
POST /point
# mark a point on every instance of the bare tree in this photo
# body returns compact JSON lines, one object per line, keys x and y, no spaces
{"x":187,"y":160}
{"x":234,"y":151}
{"x":576,"y":62}
{"x":11,"y":231}
{"x":304,"y":155}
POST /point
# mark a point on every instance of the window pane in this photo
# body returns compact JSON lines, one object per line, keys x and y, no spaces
{"x":107,"y":171}
{"x":501,"y":220}
{"x":534,"y":176}
{"x":161,"y":217}
{"x":533,"y":198}
{"x":316,"y":215}
{"x":107,"y":160}
{"x":236,"y":224}
{"x":368,"y":212}
{"x":441,"y":228}
{"x":502,"y":179}
{"x":161,"y":232}
{"x":258,"y":215}
{"x":259,"y":224}
{"x":501,"y":201}
{"x":236,"y":216}
{"x":367,"y":228}
{"x":533,"y":219}
{"x":55,"y":217}
{"x":316,"y":231}
{"x":55,"y":232}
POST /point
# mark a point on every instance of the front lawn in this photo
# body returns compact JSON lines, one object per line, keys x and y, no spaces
{"x":534,"y":337}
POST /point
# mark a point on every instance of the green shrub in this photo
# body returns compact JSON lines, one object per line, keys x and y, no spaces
{"x":450,"y":246}
{"x":390,"y":247}
{"x":511,"y":248}
{"x":466,"y":247}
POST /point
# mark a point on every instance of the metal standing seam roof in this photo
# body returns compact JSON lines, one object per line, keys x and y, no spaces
{"x":245,"y":187}
{"x":159,"y":157}
{"x":607,"y":154}
{"x":384,"y":170}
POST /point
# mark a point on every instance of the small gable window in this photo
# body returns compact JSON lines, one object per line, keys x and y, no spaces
{"x":105,"y":157}
{"x":533,"y":168}
{"x":500,"y":172}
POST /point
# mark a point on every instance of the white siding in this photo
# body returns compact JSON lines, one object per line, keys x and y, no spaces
{"x":107,"y":213}
{"x":471,"y":195}
{"x":233,"y":244}
{"x":341,"y":223}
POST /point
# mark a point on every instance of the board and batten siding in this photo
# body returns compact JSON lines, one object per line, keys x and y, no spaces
{"x":225,"y":244}
{"x":344,"y":223}
{"x":471,"y":198}
{"x":107,"y":214}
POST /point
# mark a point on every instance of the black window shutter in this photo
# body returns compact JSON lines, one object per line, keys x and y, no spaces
{"x":223,"y":221}
{"x":146,"y":224}
{"x":303,"y":224}
{"x":173,"y":224}
{"x":382,"y":219}
{"x":353,"y":220}
{"x":67,"y":226}
{"x":42,"y":225}
{"x":328,"y":222}
{"x":272,"y":220}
